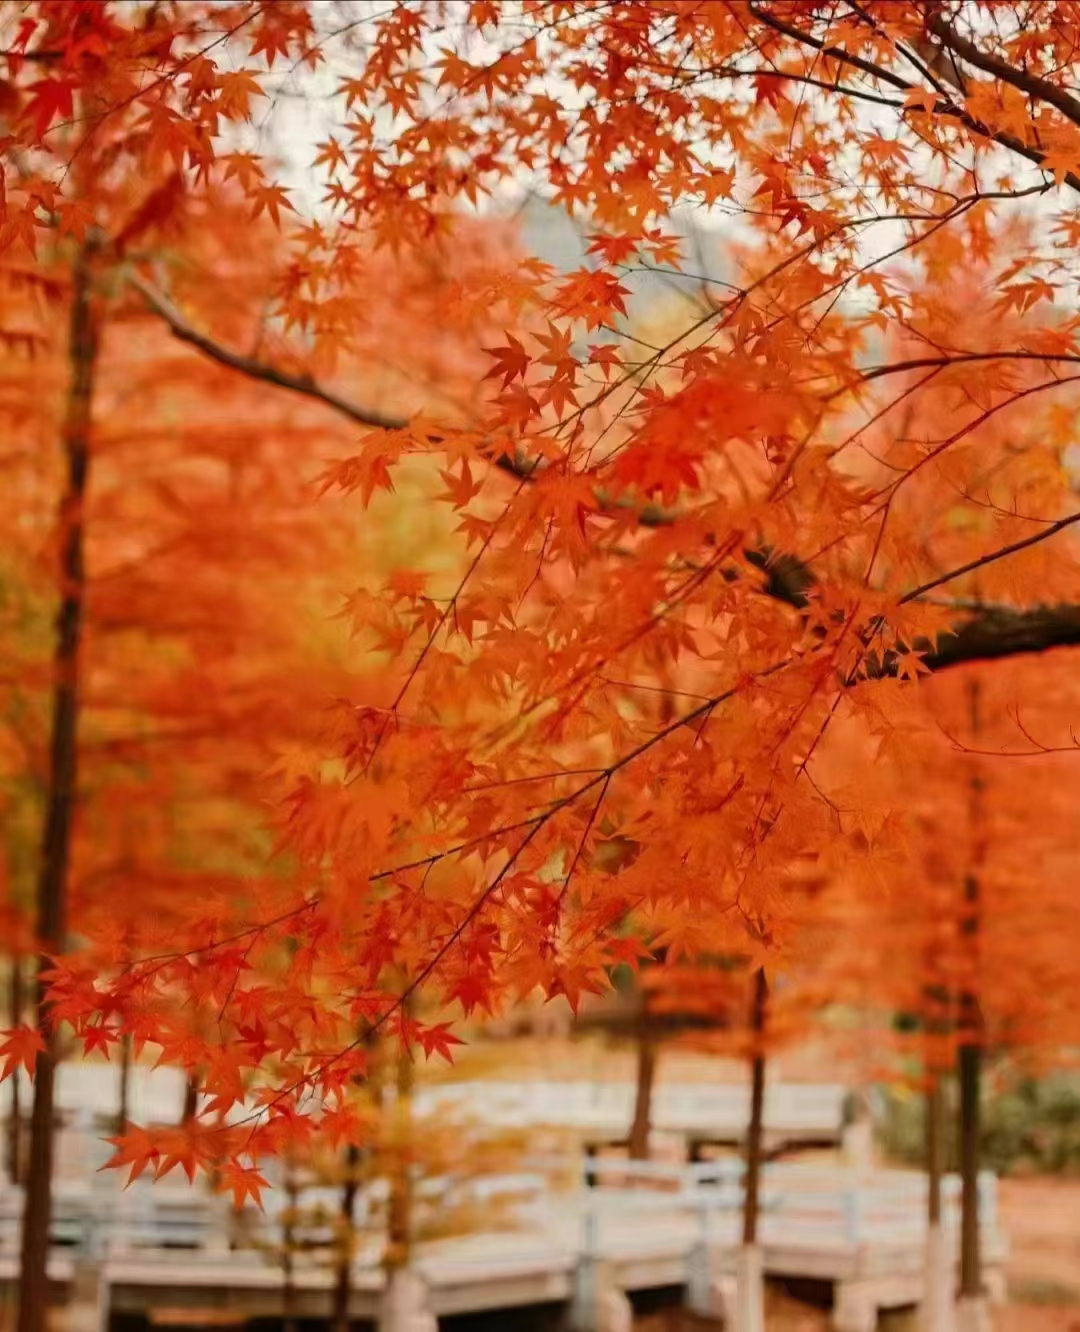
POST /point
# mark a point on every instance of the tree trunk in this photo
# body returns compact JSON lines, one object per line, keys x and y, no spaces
{"x":61,"y":793}
{"x":191,"y":1098}
{"x":938,"y":1303}
{"x":339,"y":1313}
{"x":935,"y":1150}
{"x":288,"y":1251}
{"x":399,"y":1224}
{"x":754,"y":1132}
{"x":970,"y":1257}
{"x":14,"y":1134}
{"x":969,"y":1052}
{"x":749,"y":1269}
{"x":122,"y":1115}
{"x":646,"y":1076}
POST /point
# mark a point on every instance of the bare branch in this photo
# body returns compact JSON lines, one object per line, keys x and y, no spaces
{"x":304,"y":384}
{"x":252,"y":367}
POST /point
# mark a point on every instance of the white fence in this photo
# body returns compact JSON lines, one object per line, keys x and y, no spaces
{"x":800,"y":1205}
{"x":792,"y":1109}
{"x":90,"y":1092}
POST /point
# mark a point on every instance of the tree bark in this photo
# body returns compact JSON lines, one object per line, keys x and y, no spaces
{"x":61,"y":791}
{"x":191,"y":1098}
{"x":339,"y":1312}
{"x":970,"y":1256}
{"x":938,"y":1311}
{"x":969,"y":1054}
{"x":935,"y":1150}
{"x":646,"y":1077}
{"x":288,"y":1251}
{"x":122,"y":1115}
{"x":399,"y":1222}
{"x":755,"y":1128}
{"x":14,"y":1135}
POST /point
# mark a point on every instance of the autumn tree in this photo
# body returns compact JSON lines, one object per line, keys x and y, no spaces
{"x":708,"y":501}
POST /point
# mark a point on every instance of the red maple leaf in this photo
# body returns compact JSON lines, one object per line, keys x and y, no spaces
{"x":21,"y":1046}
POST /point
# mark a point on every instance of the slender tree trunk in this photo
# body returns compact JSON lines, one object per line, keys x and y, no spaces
{"x":61,"y":792}
{"x":938,"y":1311}
{"x":646,"y":1077}
{"x":191,"y":1098}
{"x":935,"y":1150}
{"x":970,"y":1256}
{"x":399,"y":1225}
{"x":122,"y":1115}
{"x":288,"y":1254}
{"x":969,"y":1054}
{"x":339,"y":1313}
{"x":749,"y":1272}
{"x":754,"y":1132}
{"x":14,"y":1135}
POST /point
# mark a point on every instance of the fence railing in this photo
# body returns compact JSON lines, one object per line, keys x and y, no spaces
{"x":811,"y":1205}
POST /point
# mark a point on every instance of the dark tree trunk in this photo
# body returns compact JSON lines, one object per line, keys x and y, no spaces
{"x":399,"y":1222}
{"x":935,"y":1149}
{"x":339,"y":1313}
{"x":122,"y":1115}
{"x":646,"y":1077}
{"x":14,"y":1136}
{"x":969,"y":1055}
{"x":754,"y":1130}
{"x":288,"y":1255}
{"x":970,"y":1256}
{"x":61,"y":792}
{"x":191,"y":1098}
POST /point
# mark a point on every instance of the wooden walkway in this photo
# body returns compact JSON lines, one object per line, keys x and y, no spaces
{"x":162,"y":1246}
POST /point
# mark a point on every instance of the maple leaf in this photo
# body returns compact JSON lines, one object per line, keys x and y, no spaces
{"x":920,"y":99}
{"x":595,"y":297}
{"x":438,"y":1039}
{"x":607,"y":357}
{"x":615,"y":249}
{"x":20,"y":1049}
{"x":245,"y":167}
{"x":272,"y":198}
{"x":512,"y":361}
{"x":97,"y":1036}
{"x":272,"y":39}
{"x":235,"y":91}
{"x":243,"y":1182}
{"x":769,"y":88}
{"x":331,"y":154}
{"x":1062,"y":162}
{"x":135,"y":1148}
{"x":460,"y":489}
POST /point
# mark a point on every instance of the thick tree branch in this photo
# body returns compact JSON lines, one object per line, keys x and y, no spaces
{"x":987,"y":635}
{"x":999,"y":632}
{"x":253,"y":368}
{"x":944,"y":107}
{"x":1036,"y":87}
{"x":303,"y":384}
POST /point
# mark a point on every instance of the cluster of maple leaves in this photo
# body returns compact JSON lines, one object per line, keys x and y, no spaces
{"x":771,"y":514}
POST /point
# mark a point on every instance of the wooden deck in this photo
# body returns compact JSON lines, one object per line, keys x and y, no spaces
{"x":158,"y":1247}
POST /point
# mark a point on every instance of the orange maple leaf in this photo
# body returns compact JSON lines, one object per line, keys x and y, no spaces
{"x":21,"y":1047}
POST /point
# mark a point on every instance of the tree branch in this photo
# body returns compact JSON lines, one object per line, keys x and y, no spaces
{"x":987,"y":635}
{"x":253,"y":368}
{"x":303,"y":384}
{"x":1036,"y":87}
{"x":999,"y":632}
{"x":944,"y":107}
